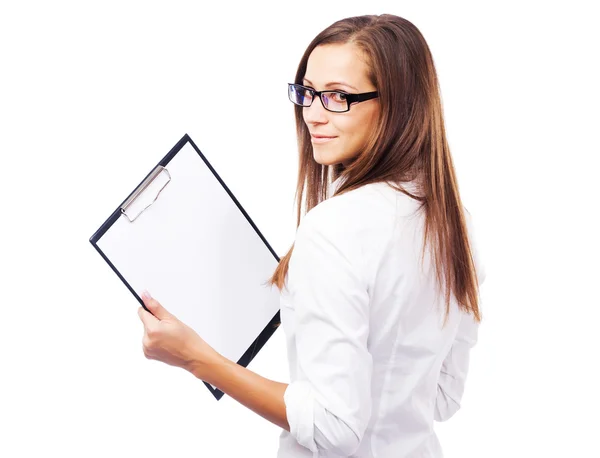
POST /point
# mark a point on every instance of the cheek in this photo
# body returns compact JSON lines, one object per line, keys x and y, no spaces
{"x":355,"y":131}
{"x":349,"y":128}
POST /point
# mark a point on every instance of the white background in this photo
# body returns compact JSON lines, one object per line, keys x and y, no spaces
{"x":93,"y":95}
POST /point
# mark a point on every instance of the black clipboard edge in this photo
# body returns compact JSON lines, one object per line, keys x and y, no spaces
{"x":271,"y":327}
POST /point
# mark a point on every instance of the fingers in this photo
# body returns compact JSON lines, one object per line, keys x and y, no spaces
{"x":151,"y":319}
{"x":150,"y":324}
{"x":147,"y":318}
{"x":146,"y":342}
{"x":155,"y":307}
{"x":146,"y":346}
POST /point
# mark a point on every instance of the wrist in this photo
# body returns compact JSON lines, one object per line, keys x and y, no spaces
{"x":204,"y":367}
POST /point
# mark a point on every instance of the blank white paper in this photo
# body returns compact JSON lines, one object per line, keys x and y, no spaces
{"x":198,"y":255}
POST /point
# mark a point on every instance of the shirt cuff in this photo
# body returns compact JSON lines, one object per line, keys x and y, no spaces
{"x":299,"y":405}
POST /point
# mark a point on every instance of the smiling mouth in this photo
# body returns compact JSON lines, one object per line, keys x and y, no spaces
{"x":322,"y":139}
{"x":315,"y":139}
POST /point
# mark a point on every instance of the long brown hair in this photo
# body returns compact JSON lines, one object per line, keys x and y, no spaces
{"x":409,"y":143}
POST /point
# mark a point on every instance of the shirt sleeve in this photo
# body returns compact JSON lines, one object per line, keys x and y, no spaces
{"x":453,"y":374}
{"x":329,"y":405}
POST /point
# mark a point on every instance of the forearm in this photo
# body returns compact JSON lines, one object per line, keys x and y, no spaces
{"x":263,"y":396}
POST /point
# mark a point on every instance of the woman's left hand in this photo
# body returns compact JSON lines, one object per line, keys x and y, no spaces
{"x":171,"y":341}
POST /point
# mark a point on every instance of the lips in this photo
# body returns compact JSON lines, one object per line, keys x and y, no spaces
{"x":315,"y":139}
{"x":322,"y":136}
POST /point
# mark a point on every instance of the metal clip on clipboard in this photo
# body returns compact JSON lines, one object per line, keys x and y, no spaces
{"x":148,"y":190}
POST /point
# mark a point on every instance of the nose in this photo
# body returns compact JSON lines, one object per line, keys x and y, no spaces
{"x":315,"y":113}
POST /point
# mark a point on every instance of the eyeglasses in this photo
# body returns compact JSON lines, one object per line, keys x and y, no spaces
{"x":335,"y":101}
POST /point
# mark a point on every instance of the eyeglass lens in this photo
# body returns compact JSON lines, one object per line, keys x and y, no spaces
{"x":333,"y":101}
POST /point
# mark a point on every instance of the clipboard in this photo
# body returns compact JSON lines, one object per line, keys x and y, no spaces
{"x":182,"y":235}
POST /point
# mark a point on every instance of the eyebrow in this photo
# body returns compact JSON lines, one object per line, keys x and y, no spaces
{"x":332,"y":83}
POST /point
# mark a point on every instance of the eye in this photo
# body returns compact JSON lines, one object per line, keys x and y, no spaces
{"x":306,"y":93}
{"x":337,"y":96}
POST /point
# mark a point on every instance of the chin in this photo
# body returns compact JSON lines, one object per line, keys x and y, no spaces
{"x":326,"y":162}
{"x":327,"y":159}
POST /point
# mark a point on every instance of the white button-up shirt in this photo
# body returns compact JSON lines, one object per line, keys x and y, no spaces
{"x":371,"y":367}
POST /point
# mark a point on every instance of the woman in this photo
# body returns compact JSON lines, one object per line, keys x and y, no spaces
{"x":379,"y":293}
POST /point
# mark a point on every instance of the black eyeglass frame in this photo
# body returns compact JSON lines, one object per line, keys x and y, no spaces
{"x":350,"y":98}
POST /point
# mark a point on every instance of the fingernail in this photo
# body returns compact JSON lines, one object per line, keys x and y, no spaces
{"x":146,"y":295}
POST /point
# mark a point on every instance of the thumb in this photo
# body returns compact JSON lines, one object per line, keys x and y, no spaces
{"x":155,"y":307}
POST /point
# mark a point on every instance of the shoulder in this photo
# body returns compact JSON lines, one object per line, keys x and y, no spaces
{"x":368,"y":210}
{"x":350,"y":232}
{"x":352,"y":224}
{"x":352,"y":207}
{"x":330,"y":242}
